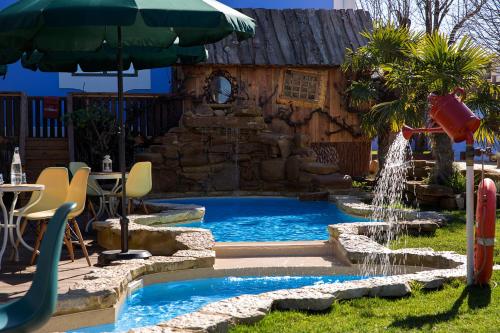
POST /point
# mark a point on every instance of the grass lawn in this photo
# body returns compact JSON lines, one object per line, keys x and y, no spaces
{"x":455,"y":308}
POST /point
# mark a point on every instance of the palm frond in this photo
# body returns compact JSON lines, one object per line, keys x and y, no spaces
{"x":445,"y":66}
{"x":484,"y":100}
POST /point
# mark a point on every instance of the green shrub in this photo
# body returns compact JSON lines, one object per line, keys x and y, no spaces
{"x":457,"y":182}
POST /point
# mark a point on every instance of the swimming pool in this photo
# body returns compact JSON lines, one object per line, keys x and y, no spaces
{"x":266,"y":219}
{"x":163,"y":301}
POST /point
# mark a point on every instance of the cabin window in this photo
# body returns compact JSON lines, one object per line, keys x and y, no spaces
{"x":304,"y":87}
{"x":220,"y":88}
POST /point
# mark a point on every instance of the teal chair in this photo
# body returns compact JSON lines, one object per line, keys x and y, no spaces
{"x":35,"y":308}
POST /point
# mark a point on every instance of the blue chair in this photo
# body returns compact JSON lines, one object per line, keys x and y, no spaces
{"x":37,"y":306}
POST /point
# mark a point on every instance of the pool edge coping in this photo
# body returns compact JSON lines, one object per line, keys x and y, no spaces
{"x":429,"y":278}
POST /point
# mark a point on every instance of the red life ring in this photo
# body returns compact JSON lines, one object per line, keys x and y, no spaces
{"x":485,"y":231}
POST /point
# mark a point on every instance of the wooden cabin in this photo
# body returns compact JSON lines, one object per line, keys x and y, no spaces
{"x":269,"y":113}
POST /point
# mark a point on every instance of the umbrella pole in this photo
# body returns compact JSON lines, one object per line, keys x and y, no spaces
{"x":125,"y":253}
{"x":122,"y":138}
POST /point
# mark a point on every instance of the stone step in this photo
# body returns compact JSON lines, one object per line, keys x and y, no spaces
{"x":273,"y":249}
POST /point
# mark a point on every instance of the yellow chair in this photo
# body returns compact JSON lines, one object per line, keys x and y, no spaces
{"x":77,"y":193}
{"x":56,"y":183}
{"x":93,"y":190}
{"x":139,"y":183}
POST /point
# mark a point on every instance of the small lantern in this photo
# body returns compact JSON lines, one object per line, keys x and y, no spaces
{"x":107,"y":164}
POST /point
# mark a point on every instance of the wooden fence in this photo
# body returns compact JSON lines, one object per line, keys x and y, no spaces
{"x":147,"y":114}
{"x":40,"y":126}
{"x":45,"y":141}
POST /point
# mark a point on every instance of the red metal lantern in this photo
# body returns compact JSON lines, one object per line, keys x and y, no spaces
{"x":454,"y":117}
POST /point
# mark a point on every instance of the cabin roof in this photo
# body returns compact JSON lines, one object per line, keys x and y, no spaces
{"x":294,"y":37}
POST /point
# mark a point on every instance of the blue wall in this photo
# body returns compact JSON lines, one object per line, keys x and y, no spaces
{"x":47,"y":84}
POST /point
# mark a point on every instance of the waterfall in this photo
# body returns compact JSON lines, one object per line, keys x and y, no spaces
{"x":233,"y":137}
{"x":236,"y":133}
{"x":387,"y":201}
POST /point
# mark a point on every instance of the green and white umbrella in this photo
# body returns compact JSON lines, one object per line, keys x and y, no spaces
{"x":60,"y":35}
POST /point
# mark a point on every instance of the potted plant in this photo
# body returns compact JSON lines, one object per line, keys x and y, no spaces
{"x":457,"y":182}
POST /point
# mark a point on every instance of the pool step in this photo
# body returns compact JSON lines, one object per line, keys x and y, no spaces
{"x":273,"y":249}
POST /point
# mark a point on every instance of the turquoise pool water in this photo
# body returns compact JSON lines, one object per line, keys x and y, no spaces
{"x":267,"y":219}
{"x":160,"y":302}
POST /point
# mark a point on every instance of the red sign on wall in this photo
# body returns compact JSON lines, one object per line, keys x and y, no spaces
{"x":51,"y":107}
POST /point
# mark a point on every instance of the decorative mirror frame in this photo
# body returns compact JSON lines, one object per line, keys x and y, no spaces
{"x":226,"y":75}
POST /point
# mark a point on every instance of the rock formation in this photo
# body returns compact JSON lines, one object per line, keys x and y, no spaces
{"x":229,"y":149}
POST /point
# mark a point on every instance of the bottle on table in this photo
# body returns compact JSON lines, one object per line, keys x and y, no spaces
{"x":16,"y":171}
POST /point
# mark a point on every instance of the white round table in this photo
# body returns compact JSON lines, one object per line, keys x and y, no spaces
{"x":8,"y":224}
{"x":99,"y":176}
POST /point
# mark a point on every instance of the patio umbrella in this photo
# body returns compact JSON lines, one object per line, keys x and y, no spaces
{"x":105,"y":58}
{"x":58,"y":35}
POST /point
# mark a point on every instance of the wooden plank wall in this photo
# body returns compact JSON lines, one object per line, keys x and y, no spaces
{"x":259,"y":84}
{"x":9,"y":129}
{"x":42,"y":153}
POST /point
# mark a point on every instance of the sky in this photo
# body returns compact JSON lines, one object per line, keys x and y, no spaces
{"x":276,"y":4}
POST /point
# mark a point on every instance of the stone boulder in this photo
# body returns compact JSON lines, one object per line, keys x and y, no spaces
{"x":285,"y":146}
{"x":271,"y":138}
{"x":334,"y":181}
{"x":249,"y":123}
{"x":165,"y":179}
{"x":168,"y":151}
{"x":314,"y":196}
{"x":168,"y":138}
{"x":164,"y":241}
{"x":191,"y":138}
{"x":280,"y":126}
{"x":219,"y":113}
{"x":273,"y":170}
{"x":251,"y":111}
{"x":317,"y":168}
{"x":250,"y":147}
{"x":226,"y":179}
{"x":448,"y":203}
{"x":308,"y":154}
{"x":431,"y":194}
{"x":301,"y":141}
{"x":204,"y":110}
{"x":216,"y":158}
{"x":221,"y":148}
{"x":154,"y":158}
{"x":194,"y":160}
{"x":293,"y":168}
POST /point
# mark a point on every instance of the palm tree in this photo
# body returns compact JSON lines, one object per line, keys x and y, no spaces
{"x":368,"y":67}
{"x":439,"y":67}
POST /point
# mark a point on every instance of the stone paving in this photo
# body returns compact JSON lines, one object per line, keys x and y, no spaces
{"x":151,"y":232}
{"x":352,"y":205}
{"x":103,"y":287}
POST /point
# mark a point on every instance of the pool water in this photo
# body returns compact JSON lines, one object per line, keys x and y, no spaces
{"x":266,"y":219}
{"x":160,"y":302}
